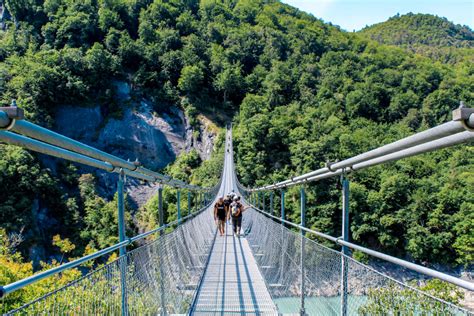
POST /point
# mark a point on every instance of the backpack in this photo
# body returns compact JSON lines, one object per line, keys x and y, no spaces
{"x":235,"y":209}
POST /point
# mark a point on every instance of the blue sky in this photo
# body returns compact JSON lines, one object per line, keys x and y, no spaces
{"x":356,"y":14}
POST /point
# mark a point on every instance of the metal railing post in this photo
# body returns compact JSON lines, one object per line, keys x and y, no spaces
{"x":196,"y":205}
{"x":271,"y":203}
{"x":122,"y":237}
{"x":161,"y":215}
{"x":178,"y":205}
{"x":303,"y":211}
{"x":121,"y":212}
{"x":189,"y":203}
{"x":345,"y":237}
{"x":282,"y":210}
{"x":263,"y":201}
{"x":161,"y":223}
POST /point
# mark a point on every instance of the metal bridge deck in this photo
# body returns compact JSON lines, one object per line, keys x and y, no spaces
{"x":232,"y":283}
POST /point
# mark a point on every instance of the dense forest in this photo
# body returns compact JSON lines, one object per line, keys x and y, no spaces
{"x":425,"y":34}
{"x":420,"y":29}
{"x":301,"y":92}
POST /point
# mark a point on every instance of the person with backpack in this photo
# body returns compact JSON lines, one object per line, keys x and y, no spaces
{"x":236,"y":210}
{"x":227,"y":202}
{"x":220,"y":215}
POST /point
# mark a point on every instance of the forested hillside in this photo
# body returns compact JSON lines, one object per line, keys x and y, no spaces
{"x":416,"y":29}
{"x":301,"y":92}
{"x":327,"y":102}
{"x":426,"y":34}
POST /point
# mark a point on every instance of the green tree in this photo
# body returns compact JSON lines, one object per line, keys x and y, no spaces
{"x":191,"y":79}
{"x":229,"y":81}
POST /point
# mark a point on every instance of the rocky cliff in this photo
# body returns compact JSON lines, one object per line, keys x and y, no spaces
{"x":155,"y":139}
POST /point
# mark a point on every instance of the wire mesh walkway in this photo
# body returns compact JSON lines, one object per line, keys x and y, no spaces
{"x":232,"y":282}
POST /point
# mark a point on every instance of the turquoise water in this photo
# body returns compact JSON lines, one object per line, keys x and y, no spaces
{"x":319,"y":305}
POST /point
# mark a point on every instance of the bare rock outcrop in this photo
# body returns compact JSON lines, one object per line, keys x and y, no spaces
{"x":155,"y":139}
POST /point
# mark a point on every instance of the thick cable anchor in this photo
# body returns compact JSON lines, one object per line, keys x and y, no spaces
{"x":329,"y":164}
{"x":465,"y":115}
{"x":137,"y":164}
{"x":9,"y":115}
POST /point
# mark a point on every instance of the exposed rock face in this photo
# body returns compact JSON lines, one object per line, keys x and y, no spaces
{"x":138,"y":134}
{"x":156,"y":139}
{"x":204,"y":143}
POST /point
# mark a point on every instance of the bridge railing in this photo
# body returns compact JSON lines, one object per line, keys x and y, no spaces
{"x":305,"y":277}
{"x":459,"y":130}
{"x":159,"y":277}
{"x":16,"y":131}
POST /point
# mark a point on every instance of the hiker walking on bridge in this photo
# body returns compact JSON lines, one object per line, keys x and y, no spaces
{"x":220,"y":215}
{"x":236,"y":210}
{"x":227,"y":203}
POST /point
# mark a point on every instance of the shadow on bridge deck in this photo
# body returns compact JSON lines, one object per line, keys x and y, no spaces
{"x":232,"y":282}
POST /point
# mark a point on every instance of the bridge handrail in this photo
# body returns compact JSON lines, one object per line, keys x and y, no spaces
{"x":17,"y":285}
{"x":16,"y":131}
{"x":459,"y":130}
{"x":409,"y":265}
{"x":43,"y":140}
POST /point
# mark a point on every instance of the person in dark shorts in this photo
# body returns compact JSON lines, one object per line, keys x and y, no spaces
{"x":220,"y":215}
{"x":227,"y":202}
{"x":236,"y":210}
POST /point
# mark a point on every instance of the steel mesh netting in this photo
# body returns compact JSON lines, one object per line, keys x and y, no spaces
{"x":278,"y":254}
{"x":161,"y":278}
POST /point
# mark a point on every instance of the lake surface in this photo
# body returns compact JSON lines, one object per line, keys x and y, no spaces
{"x":320,"y":305}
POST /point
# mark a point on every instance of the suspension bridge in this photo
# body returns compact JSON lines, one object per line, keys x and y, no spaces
{"x":274,"y":268}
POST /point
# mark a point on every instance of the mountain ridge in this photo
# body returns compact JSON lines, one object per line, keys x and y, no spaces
{"x":420,"y":29}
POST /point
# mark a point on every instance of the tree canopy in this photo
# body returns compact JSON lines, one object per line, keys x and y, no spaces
{"x":300,"y":91}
